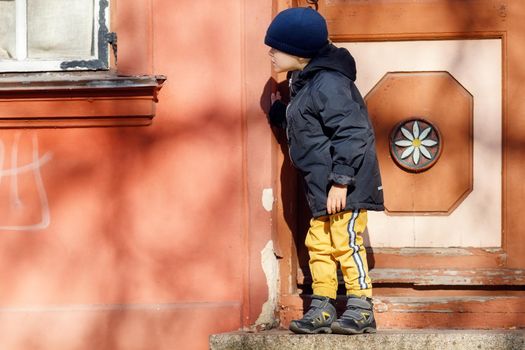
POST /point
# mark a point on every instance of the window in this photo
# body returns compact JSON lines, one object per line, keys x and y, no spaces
{"x":54,"y":35}
{"x":54,"y":68}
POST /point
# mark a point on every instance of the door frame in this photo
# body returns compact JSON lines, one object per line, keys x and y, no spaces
{"x":472,"y":272}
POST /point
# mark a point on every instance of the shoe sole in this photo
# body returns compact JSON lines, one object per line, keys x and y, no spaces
{"x":337,"y":329}
{"x":297,"y":330}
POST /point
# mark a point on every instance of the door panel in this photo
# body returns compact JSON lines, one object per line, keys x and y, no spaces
{"x":476,"y":66}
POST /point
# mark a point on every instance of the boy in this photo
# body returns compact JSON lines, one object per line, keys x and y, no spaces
{"x":331,"y":142}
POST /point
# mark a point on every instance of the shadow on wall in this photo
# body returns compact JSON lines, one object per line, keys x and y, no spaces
{"x":142,"y":249}
{"x":139,"y":218}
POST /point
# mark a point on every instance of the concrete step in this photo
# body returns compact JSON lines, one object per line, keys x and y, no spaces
{"x":382,"y":340}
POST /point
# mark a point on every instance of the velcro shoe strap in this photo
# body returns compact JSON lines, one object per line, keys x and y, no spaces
{"x":317,"y":303}
{"x":352,"y":314}
{"x":359,"y":303}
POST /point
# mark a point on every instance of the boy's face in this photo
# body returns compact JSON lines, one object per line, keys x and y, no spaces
{"x":283,"y":62}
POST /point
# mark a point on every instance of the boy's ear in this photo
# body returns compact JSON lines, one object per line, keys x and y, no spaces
{"x":304,"y":60}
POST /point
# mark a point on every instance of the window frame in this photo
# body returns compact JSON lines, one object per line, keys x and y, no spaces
{"x":101,"y":37}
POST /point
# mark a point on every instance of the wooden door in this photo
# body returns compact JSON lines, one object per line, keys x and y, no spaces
{"x":449,"y":250}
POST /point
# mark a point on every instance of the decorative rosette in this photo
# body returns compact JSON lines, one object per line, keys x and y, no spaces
{"x":415,"y":144}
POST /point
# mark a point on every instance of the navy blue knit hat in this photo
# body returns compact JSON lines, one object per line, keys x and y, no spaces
{"x":298,"y":31}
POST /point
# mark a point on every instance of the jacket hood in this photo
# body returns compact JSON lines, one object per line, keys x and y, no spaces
{"x":331,"y":58}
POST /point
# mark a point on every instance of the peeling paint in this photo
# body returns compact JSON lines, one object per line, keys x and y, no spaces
{"x":270,"y":266}
{"x":430,"y":251}
{"x":380,"y":306}
{"x":440,"y":277}
{"x":267,"y":199}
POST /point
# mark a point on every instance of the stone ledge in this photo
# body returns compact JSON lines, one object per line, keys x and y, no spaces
{"x":65,"y":100}
{"x":387,"y":339}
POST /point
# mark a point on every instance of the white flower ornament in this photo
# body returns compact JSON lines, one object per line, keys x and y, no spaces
{"x":416,"y":143}
{"x":413,"y":149}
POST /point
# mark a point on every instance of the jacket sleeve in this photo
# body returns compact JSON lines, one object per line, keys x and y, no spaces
{"x":346,"y":124}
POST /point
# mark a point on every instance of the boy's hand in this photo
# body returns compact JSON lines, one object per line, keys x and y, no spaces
{"x":336,"y":198}
{"x":275,"y":96}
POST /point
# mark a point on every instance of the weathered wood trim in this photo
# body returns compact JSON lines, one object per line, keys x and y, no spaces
{"x":452,"y":277}
{"x":475,"y":312}
{"x":436,"y":258}
{"x":416,"y":36}
{"x":372,"y":20}
{"x":488,"y":304}
{"x":437,"y":277}
{"x":76,"y":100}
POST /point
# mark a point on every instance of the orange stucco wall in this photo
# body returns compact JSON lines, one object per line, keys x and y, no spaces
{"x":145,"y":238}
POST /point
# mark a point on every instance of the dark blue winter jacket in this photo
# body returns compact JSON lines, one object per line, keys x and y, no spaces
{"x":329,"y":134}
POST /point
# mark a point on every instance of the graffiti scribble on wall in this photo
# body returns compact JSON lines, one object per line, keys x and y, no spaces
{"x":23,"y":204}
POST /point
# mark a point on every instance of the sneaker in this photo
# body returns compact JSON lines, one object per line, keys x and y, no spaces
{"x":358,"y":317}
{"x":317,"y":319}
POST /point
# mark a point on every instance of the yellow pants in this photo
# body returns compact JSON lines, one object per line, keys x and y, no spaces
{"x":338,"y":238}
